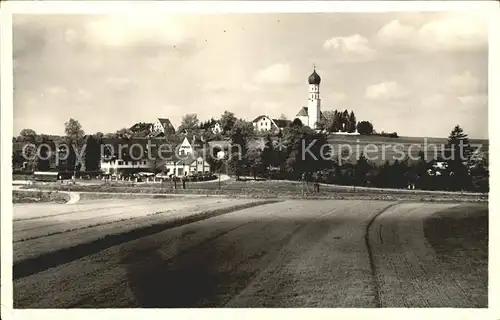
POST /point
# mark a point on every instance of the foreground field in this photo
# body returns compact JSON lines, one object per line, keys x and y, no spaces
{"x":293,"y":253}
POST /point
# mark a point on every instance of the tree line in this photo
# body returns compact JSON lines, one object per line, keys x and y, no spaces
{"x":274,"y":161}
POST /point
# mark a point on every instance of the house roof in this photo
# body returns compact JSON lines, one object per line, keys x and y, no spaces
{"x":167,"y":124}
{"x":282,"y":123}
{"x":137,"y":145}
{"x":140,"y":126}
{"x":303,"y":112}
{"x":260,"y":117}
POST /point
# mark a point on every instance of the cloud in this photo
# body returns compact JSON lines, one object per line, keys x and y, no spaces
{"x":129,"y":30}
{"x":120,"y":83}
{"x":274,"y":74}
{"x":452,"y":32}
{"x":462,"y":84}
{"x":474,"y":100}
{"x":353,"y":47}
{"x":385,"y":91}
{"x":336,"y":96}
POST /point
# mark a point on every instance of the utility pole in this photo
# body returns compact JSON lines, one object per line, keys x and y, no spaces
{"x":220,"y":167}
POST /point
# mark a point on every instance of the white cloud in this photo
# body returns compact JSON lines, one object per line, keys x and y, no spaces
{"x":386,"y":91}
{"x":120,"y":83}
{"x":474,"y":100}
{"x":462,"y":84}
{"x":125,"y":30}
{"x":452,"y":32}
{"x":394,"y":33}
{"x":355,"y":45}
{"x":277,"y":73}
{"x":336,"y":96}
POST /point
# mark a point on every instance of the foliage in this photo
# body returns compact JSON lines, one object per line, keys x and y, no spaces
{"x":227,"y":121}
{"x":73,"y":130}
{"x":365,"y":128}
{"x":189,"y":123}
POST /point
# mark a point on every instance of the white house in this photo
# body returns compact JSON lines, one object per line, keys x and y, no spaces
{"x":162,"y":125}
{"x":117,"y":166}
{"x":183,"y":166}
{"x":189,"y":145}
{"x":217,"y":128}
{"x":264,"y":123}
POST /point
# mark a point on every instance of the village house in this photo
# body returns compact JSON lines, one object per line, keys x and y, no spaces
{"x":217,"y":128}
{"x":189,"y":158}
{"x":162,"y":126}
{"x":264,"y":123}
{"x":131,"y":156}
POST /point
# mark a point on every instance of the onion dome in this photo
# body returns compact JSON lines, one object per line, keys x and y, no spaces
{"x":314,"y":78}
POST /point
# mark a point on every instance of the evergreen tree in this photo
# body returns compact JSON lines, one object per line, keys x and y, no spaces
{"x":337,"y":121}
{"x":268,"y":154}
{"x":352,"y":123}
{"x":344,"y":121}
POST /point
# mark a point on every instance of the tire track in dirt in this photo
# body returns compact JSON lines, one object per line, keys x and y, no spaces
{"x":104,"y":273}
{"x":407,"y":270}
{"x":369,"y":249}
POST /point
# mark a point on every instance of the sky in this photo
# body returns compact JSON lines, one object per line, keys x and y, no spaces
{"x":418,"y":74}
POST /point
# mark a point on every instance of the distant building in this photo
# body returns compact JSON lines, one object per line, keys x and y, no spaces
{"x":162,"y":125}
{"x":216,"y":128}
{"x":189,"y":145}
{"x":141,"y":127}
{"x":130,"y":156}
{"x":182,"y":166}
{"x":266,"y":124}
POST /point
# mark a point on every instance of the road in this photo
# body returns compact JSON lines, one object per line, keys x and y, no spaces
{"x":295,"y":253}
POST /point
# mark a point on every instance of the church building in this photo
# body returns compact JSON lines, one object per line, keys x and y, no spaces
{"x":311,"y":115}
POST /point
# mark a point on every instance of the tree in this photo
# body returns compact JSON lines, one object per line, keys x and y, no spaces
{"x":92,"y":153}
{"x":344,"y":121}
{"x":458,"y":144}
{"x":362,"y":168}
{"x":189,"y":122}
{"x":240,"y":132}
{"x":254,"y":162}
{"x":267,"y":155}
{"x":297,"y":123}
{"x":365,"y":128}
{"x":28,"y":135}
{"x":73,"y":130}
{"x":328,"y":120}
{"x":337,"y":121}
{"x":74,"y":139}
{"x":460,"y":152}
{"x":227,"y":120}
{"x":124,"y":133}
{"x":351,"y":127}
{"x":283,"y":117}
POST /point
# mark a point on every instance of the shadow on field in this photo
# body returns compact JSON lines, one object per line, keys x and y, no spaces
{"x":459,"y":236}
{"x":52,"y":259}
{"x":210,"y":274}
{"x":196,"y":277}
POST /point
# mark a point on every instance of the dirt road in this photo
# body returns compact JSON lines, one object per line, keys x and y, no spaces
{"x":317,"y":253}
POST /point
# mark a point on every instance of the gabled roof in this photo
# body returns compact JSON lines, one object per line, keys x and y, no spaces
{"x":303,"y":112}
{"x":260,"y":117}
{"x":167,"y":125}
{"x":140,"y":126}
{"x":282,"y":123}
{"x":165,"y":121}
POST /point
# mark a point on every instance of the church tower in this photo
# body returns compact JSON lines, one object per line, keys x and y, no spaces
{"x":314,"y":101}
